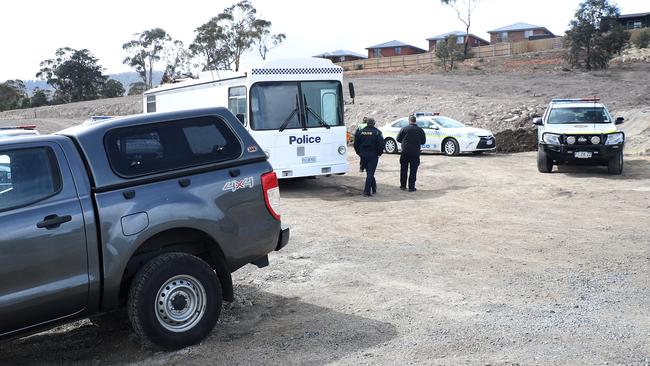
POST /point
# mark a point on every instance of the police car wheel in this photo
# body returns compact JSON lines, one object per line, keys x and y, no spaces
{"x":450,"y":147}
{"x":544,"y":162}
{"x":615,"y":165}
{"x":390,"y":146}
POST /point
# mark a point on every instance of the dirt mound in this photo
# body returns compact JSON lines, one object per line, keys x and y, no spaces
{"x":518,"y":140}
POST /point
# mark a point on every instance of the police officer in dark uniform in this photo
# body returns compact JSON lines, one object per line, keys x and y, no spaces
{"x":412,"y":137}
{"x":369,"y":145}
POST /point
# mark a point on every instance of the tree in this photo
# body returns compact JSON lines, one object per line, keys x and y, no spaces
{"x":223,"y":40}
{"x":144,"y":51}
{"x":137,"y":88}
{"x":209,"y":46}
{"x":13,"y":95}
{"x":263,"y":39}
{"x":595,"y":35}
{"x":448,"y":52}
{"x":178,"y":62}
{"x":464,"y":10}
{"x":112,"y":89}
{"x":75,"y":75}
{"x":40,"y":97}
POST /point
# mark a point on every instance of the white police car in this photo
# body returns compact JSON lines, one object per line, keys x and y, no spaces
{"x":579,"y":131}
{"x":444,"y":135}
{"x":11,"y":131}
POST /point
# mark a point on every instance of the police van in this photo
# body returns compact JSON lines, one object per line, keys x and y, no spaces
{"x":292,"y":108}
{"x":579,"y":131}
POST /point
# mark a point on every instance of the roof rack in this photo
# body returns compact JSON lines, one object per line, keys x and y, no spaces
{"x":24,"y":127}
{"x":576,"y":100}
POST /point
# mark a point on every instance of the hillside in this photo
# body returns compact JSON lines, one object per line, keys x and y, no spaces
{"x":498,"y":94}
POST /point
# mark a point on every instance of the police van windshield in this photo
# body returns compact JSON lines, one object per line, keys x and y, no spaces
{"x":578,"y":115}
{"x":293,"y":104}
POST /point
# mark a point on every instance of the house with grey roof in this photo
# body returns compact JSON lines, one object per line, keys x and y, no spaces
{"x":635,"y":21}
{"x":519,"y":32}
{"x":473,"y":41}
{"x":341,"y":56}
{"x":393,"y":48}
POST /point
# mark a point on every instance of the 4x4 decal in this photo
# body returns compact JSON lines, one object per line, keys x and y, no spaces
{"x":234,"y":185}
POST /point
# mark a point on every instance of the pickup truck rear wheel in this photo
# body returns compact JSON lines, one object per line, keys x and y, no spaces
{"x":174,"y":301}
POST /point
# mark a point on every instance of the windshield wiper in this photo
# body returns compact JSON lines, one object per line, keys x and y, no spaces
{"x":318,"y":118}
{"x":293,"y":113}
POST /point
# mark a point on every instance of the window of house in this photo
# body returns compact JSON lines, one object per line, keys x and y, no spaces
{"x":503,"y":37}
{"x":637,"y":24}
{"x":460,"y":39}
{"x":160,"y":147}
{"x":237,"y":102}
{"x":151,"y":103}
{"x":376,"y":52}
{"x":398,"y":50}
{"x":27,"y":176}
{"x":528,"y":34}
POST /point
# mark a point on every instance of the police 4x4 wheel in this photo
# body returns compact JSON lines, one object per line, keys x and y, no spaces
{"x":544,"y":162}
{"x":174,"y":301}
{"x":615,"y":164}
{"x":390,"y":146}
{"x":450,"y":147}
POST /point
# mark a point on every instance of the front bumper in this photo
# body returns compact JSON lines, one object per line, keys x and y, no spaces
{"x":482,"y":143}
{"x":600,"y":154}
{"x":283,"y":240}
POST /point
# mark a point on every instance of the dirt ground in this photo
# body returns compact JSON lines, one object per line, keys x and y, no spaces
{"x":489,"y":262}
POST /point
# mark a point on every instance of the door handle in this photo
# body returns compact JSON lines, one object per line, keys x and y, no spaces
{"x":53,"y":221}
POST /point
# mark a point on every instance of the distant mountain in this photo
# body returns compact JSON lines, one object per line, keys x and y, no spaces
{"x":126,"y":78}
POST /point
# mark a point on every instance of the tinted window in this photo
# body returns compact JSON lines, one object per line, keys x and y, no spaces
{"x":151,"y":103}
{"x":155,"y":148}
{"x":401,"y":123}
{"x":27,"y":176}
{"x":578,"y":115}
{"x":237,"y":101}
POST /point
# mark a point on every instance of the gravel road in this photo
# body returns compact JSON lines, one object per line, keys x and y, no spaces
{"x":489,"y":262}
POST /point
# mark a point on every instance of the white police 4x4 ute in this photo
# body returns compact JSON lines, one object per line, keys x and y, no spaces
{"x":579,"y":131}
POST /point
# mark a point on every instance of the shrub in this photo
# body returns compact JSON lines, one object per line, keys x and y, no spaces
{"x":643,"y":40}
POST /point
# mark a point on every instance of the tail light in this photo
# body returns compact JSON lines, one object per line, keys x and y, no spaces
{"x":271,"y":190}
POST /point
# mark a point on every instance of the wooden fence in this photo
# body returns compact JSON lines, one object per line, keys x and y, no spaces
{"x":429,"y":58}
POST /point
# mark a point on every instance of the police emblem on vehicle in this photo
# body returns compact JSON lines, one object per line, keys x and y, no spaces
{"x":236,"y":184}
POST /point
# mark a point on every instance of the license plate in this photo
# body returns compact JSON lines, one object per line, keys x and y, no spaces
{"x":308,"y":159}
{"x":582,"y":154}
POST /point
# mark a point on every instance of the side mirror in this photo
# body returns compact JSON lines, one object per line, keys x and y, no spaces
{"x":619,"y":120}
{"x":240,"y":117}
{"x":351,"y":89}
{"x":537,"y":121}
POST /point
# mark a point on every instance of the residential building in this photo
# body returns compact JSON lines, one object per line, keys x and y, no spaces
{"x":474,"y":41}
{"x":635,"y":21}
{"x":341,"y":56}
{"x":519,"y":32}
{"x":393,"y":48}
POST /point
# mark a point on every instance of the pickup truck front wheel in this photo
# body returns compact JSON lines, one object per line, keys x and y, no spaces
{"x":174,"y":301}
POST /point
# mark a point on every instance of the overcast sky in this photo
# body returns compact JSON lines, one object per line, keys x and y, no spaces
{"x":32,"y":30}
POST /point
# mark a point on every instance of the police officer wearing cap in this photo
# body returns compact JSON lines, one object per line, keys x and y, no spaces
{"x":369,"y":145}
{"x":412,"y":137}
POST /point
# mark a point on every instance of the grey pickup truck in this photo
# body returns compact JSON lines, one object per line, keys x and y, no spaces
{"x":149,"y":212}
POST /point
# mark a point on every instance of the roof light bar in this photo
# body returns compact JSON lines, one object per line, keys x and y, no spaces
{"x":576,"y":100}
